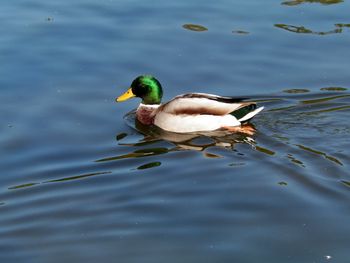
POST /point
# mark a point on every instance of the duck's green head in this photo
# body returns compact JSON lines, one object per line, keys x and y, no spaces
{"x":145,"y":87}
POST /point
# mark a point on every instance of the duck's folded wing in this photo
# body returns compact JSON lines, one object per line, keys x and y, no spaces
{"x":199,"y":103}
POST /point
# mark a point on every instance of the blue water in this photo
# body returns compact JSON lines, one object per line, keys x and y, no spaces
{"x":81,"y":182}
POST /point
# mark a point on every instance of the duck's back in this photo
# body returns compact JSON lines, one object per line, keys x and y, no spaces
{"x":199,"y":103}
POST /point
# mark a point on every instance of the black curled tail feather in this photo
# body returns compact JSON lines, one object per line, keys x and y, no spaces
{"x":244,"y":110}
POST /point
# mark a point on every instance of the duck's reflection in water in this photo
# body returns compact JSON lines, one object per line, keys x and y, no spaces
{"x":198,"y":140}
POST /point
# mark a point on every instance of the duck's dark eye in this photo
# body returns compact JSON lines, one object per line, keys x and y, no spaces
{"x":140,"y":90}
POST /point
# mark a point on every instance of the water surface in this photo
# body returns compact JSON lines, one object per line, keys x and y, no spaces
{"x":82,"y":183}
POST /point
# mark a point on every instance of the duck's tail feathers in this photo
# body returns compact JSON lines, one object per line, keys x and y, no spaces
{"x":250,"y":115}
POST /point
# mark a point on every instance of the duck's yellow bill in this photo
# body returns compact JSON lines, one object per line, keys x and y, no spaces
{"x":127,"y":95}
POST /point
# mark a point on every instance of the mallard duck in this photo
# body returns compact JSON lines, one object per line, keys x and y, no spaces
{"x":192,"y":112}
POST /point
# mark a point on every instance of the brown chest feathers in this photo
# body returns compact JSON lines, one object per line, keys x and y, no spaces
{"x":145,"y":113}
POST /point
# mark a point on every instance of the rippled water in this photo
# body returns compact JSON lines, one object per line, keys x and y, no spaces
{"x":82,"y":183}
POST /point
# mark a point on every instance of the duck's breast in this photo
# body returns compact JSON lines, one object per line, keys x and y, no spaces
{"x":145,"y":113}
